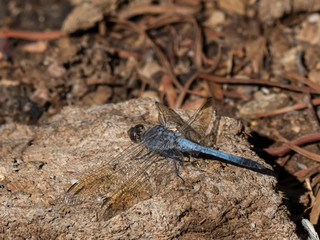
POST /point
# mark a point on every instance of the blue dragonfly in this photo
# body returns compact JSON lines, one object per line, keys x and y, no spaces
{"x":122,"y":180}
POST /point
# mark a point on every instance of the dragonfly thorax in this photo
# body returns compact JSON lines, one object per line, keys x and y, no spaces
{"x":160,"y":135}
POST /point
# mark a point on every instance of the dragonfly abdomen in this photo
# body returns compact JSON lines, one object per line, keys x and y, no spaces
{"x":189,"y":146}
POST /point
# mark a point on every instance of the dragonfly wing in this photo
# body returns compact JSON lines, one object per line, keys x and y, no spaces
{"x":203,"y":122}
{"x":105,"y":179}
{"x":122,"y":182}
{"x":135,"y":189}
{"x":202,"y":118}
{"x":172,"y":120}
{"x":154,"y":166}
{"x":169,"y":117}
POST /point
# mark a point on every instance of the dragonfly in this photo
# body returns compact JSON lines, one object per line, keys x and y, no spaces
{"x":122,"y":181}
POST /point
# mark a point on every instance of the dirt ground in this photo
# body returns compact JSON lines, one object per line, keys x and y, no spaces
{"x":260,"y":61}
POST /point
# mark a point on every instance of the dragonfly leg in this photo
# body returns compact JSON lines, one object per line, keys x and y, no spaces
{"x":178,"y":158}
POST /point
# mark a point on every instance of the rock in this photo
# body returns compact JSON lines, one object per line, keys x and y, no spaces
{"x":216,"y":201}
{"x":216,"y":17}
{"x":314,"y":76}
{"x":234,"y":6}
{"x":87,"y":13}
{"x":308,"y":31}
{"x":271,"y":11}
{"x":289,"y":59}
{"x":263,"y":104}
{"x":98,"y":97}
{"x":82,"y":17}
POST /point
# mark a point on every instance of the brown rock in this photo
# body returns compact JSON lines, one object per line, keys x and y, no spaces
{"x":82,"y":17}
{"x":215,"y":202}
{"x":263,"y":104}
{"x":98,"y":97}
{"x":272,"y":10}
{"x":87,"y":13}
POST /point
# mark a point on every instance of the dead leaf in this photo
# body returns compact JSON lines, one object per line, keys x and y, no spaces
{"x":236,"y":6}
{"x":255,"y":51}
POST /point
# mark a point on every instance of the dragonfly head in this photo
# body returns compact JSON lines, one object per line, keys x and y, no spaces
{"x":135,"y":133}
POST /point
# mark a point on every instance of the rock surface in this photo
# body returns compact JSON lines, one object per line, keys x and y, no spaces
{"x":217,"y":200}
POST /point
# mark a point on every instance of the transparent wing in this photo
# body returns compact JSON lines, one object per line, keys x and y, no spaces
{"x":136,"y":188}
{"x":205,"y":123}
{"x":172,"y":120}
{"x":169,"y":117}
{"x":196,"y":128}
{"x":202,"y":118}
{"x":107,"y":177}
{"x":122,"y":182}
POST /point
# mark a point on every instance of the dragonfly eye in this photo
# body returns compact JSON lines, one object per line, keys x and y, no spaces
{"x":135,"y":133}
